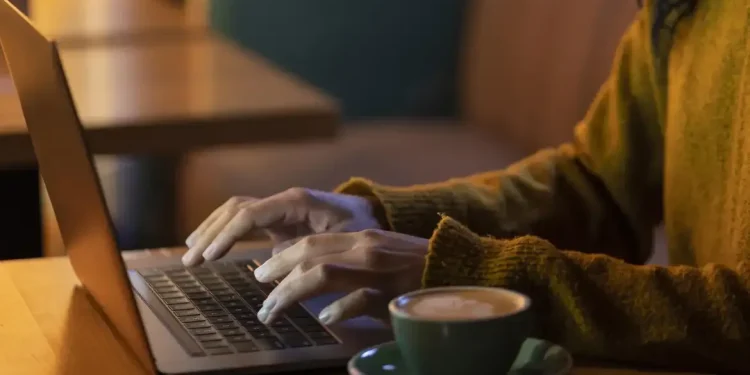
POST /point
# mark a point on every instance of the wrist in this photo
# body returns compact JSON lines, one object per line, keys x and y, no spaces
{"x":377,"y":210}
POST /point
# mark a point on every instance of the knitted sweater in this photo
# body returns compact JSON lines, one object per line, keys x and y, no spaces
{"x":572,"y":226}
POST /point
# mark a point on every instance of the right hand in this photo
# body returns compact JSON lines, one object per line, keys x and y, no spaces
{"x":286,"y":216}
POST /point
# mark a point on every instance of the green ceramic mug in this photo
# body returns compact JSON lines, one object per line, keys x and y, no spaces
{"x":461,"y":330}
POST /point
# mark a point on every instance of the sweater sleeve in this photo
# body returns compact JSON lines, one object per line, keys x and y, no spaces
{"x":601,"y":191}
{"x":601,"y":307}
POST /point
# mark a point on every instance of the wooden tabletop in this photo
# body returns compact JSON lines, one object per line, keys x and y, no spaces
{"x":96,"y":21}
{"x":49,"y":326}
{"x":172,"y":97}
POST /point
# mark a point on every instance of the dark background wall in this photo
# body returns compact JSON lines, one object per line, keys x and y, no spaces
{"x":379,"y":57}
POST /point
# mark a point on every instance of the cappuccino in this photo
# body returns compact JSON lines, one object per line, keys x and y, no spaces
{"x":465,"y":304}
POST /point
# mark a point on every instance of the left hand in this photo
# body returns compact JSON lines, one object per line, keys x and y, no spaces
{"x":373,"y":266}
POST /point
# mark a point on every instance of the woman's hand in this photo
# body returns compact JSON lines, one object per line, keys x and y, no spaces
{"x":373,"y":266}
{"x":284,"y":217}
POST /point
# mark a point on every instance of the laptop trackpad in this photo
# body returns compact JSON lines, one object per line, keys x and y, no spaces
{"x":353,"y":328}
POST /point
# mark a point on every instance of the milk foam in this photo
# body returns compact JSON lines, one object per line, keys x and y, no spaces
{"x":452,"y":306}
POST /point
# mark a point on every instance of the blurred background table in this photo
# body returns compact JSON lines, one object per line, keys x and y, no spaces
{"x":150,"y":99}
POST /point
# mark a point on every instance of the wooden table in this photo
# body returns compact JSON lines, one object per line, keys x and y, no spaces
{"x":107,"y":21}
{"x":48,"y":326}
{"x":165,"y":98}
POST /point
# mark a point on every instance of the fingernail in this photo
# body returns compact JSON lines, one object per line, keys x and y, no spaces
{"x":265,"y":310}
{"x":325,"y":316}
{"x":190,"y":240}
{"x":211,"y":253}
{"x":263,"y":314}
{"x":190,"y":258}
{"x":260,"y":273}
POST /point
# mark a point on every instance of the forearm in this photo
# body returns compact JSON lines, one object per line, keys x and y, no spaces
{"x":601,"y":307}
{"x":549,"y":194}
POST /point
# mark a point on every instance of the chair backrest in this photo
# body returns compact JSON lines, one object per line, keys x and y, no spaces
{"x":531,"y":68}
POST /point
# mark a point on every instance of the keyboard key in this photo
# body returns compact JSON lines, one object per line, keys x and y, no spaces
{"x":262,"y":334}
{"x":251,"y":322}
{"x":308,"y":324}
{"x":187,"y":284}
{"x":171,"y":295}
{"x":200,"y":272}
{"x":149,"y":272}
{"x":182,"y":313}
{"x":269,"y":344}
{"x":256,"y":328}
{"x":209,"y":338}
{"x":245,"y":347}
{"x":247,"y":315}
{"x":193,"y":290}
{"x":228,"y":325}
{"x":209,"y":314}
{"x":224,"y":292}
{"x":199,"y":296}
{"x":203,"y":331}
{"x":254,"y":298}
{"x":229,"y":298}
{"x":182,"y":277}
{"x":194,"y":325}
{"x":213,"y":283}
{"x":235,"y":339}
{"x":318,"y":335}
{"x":176,"y":271}
{"x":156,"y":278}
{"x":239,"y":310}
{"x":166,"y":289}
{"x":191,"y":319}
{"x":232,"y":332}
{"x":220,"y":319}
{"x":326,"y":341}
{"x":295,"y":340}
{"x":281,"y":322}
{"x":248,"y":290}
{"x":219,"y":351}
{"x":181,"y":306}
{"x":161,"y":283}
{"x":215,"y":344}
{"x":229,"y":272}
{"x":175,"y":301}
{"x":286,"y":329}
{"x":313,"y":328}
{"x":211,"y":306}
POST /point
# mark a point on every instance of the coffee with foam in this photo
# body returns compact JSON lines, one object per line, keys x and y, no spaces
{"x":462,"y":304}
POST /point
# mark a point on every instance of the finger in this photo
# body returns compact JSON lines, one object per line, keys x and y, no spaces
{"x":323,"y":278}
{"x":364,"y":301}
{"x":287,"y":208}
{"x":281,"y":246}
{"x":190,"y":241}
{"x":304,"y":250}
{"x":194,"y":256}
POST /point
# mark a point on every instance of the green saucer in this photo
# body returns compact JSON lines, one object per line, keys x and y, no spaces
{"x":537,"y":357}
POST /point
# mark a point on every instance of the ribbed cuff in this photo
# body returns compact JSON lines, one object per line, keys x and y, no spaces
{"x":409,"y":210}
{"x":457,"y":256}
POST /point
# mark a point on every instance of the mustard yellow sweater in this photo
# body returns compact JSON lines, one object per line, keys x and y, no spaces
{"x":572,"y":226}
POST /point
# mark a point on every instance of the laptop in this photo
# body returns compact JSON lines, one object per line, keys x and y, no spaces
{"x":175,"y":320}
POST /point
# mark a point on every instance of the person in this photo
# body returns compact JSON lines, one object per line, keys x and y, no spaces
{"x":572,"y":227}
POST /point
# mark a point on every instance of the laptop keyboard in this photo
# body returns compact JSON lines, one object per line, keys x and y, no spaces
{"x":218,"y":303}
